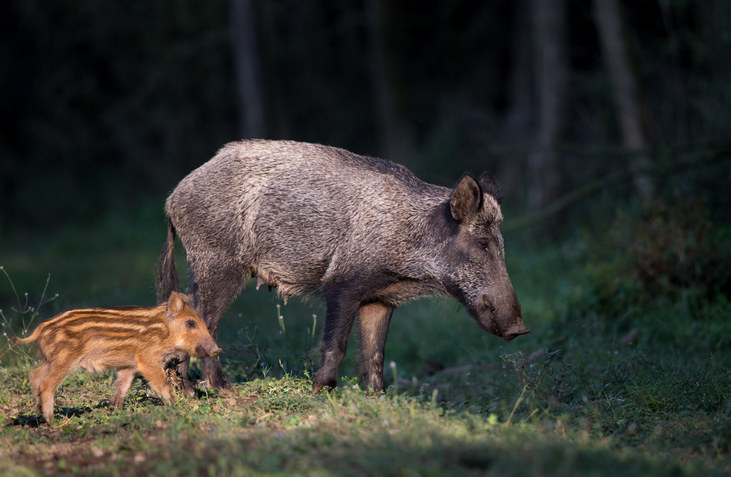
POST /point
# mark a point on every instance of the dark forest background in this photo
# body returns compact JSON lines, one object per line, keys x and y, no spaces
{"x":107,"y":105}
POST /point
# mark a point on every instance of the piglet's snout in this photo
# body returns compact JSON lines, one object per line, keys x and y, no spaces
{"x":210,"y":351}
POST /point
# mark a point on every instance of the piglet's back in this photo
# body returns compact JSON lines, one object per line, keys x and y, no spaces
{"x":116,"y":332}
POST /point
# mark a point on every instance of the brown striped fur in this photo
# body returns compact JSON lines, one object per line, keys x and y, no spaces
{"x":129,"y":339}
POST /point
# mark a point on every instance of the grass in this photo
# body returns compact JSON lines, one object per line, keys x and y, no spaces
{"x":616,"y":386}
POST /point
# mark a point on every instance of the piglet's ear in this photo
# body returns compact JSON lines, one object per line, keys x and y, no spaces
{"x":466,"y":197}
{"x":175,"y":303}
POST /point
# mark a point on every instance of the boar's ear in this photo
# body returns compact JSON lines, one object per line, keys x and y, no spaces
{"x":489,"y":185}
{"x":466,"y":198}
{"x":175,"y":303}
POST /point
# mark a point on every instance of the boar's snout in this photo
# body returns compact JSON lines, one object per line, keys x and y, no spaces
{"x":508,"y":333}
{"x":515,"y":331}
{"x":507,"y":325}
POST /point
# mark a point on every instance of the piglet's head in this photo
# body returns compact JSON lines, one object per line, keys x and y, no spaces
{"x":188,"y":329}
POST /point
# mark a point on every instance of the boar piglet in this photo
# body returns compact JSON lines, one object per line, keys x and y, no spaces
{"x":129,"y":339}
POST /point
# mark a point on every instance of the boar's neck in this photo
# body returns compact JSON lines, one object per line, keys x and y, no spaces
{"x":440,"y":226}
{"x":439,"y":232}
{"x":420,"y":272}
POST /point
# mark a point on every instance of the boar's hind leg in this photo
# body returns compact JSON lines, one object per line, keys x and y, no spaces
{"x":338,"y":323}
{"x":373,"y":321}
{"x":215,"y":287}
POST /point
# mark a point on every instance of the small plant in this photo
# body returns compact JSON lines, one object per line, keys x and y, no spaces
{"x":395,"y":377}
{"x":314,"y":327}
{"x":280,"y":317}
{"x":19,"y":322}
{"x":543,"y":377}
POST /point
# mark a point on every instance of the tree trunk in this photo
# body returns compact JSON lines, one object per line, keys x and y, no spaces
{"x":549,"y":50}
{"x":623,"y":73}
{"x":519,"y":114}
{"x":520,"y":88}
{"x":388,"y":124}
{"x":714,"y":100}
{"x":246,"y":68}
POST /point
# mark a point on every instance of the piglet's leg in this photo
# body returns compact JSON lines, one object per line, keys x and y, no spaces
{"x":122,"y":385}
{"x":155,"y":375}
{"x":36,"y":378}
{"x":48,"y":384}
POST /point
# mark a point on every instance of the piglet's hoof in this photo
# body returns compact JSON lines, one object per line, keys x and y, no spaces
{"x":228,"y":392}
{"x":224,"y":389}
{"x":320,"y":384}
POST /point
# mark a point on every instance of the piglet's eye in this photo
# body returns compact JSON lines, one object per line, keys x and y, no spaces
{"x":190,"y":324}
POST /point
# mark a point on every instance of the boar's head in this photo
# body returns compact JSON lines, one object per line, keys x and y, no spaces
{"x":188,"y":329}
{"x":475,"y":258}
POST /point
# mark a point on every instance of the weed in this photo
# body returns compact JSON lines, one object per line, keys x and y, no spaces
{"x":19,"y":321}
{"x":280,"y":317}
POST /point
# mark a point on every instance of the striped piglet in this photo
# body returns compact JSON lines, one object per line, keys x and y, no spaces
{"x":129,"y":339}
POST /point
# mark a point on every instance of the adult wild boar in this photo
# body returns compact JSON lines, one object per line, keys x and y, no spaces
{"x":364,"y":233}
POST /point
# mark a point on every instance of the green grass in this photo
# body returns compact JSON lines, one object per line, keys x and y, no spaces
{"x":605,"y":384}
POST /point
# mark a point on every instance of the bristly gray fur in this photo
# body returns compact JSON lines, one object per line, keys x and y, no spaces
{"x":307,"y":218}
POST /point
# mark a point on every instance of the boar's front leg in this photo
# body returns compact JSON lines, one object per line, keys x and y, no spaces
{"x":339,"y":318}
{"x":373,"y":321}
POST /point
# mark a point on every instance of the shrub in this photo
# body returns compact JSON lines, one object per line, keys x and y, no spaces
{"x":673,"y":247}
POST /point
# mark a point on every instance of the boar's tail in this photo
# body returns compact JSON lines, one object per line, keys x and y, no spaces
{"x":167,"y":275}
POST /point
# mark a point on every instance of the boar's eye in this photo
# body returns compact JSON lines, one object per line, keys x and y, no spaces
{"x":190,"y":324}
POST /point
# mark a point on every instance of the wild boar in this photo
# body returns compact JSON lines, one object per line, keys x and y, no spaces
{"x":364,"y":233}
{"x":129,"y":339}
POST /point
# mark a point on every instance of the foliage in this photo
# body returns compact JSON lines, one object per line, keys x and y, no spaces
{"x":673,"y":246}
{"x":669,"y":254}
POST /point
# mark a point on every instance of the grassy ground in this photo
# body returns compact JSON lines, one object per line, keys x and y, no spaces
{"x":607,"y":383}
